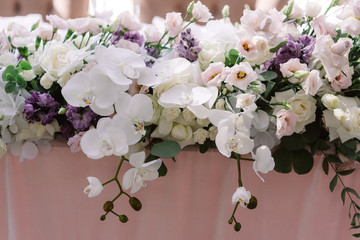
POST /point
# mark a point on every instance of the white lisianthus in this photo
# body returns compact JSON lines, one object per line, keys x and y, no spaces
{"x":264,"y":162}
{"x":241,"y":75}
{"x":3,"y":148}
{"x":200,"y":135}
{"x":171,"y":113}
{"x":135,"y":177}
{"x":200,"y":12}
{"x":312,"y":8}
{"x":242,"y":196}
{"x":104,"y":140}
{"x":94,"y":188}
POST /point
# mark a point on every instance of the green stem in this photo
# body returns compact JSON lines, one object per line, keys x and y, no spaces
{"x":108,"y":182}
{"x":332,"y":4}
{"x":239,"y":169}
{"x":232,"y":215}
{"x":115,"y":213}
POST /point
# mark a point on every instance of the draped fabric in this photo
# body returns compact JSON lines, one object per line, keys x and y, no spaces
{"x":43,"y":199}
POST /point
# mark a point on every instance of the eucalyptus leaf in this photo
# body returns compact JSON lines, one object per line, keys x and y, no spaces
{"x":302,"y":161}
{"x":10,"y":87}
{"x":162,"y":170}
{"x":25,"y":65}
{"x":21,"y":81}
{"x":347,"y":172}
{"x":282,"y":159}
{"x":269,"y":86}
{"x":166,"y":149}
{"x":267,"y":76}
{"x":294,"y":142}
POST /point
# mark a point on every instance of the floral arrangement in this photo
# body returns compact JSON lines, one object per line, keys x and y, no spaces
{"x":278,"y":89}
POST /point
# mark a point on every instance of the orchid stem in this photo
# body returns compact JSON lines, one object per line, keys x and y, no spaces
{"x":238,"y":158}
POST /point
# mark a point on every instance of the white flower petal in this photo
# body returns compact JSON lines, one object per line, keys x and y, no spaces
{"x":79,"y":83}
{"x":141,"y":106}
{"x":128,"y":178}
{"x":137,"y":159}
{"x":152,"y":166}
{"x":91,"y":144}
{"x":29,"y":150}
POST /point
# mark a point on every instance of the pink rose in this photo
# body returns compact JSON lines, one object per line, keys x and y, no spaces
{"x":214,"y":74}
{"x":173,"y":23}
{"x":285,"y":123}
{"x":312,"y":83}
{"x":74,"y":142}
{"x":290,"y":67}
{"x":241,"y":75}
{"x":57,"y":22}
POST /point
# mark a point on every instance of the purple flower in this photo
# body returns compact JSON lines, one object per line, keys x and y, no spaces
{"x":41,"y":107}
{"x":67,"y":130}
{"x":132,"y":36}
{"x":301,"y":48}
{"x":188,"y":47}
{"x":81,"y":118}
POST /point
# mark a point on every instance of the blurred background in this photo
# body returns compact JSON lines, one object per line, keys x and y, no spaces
{"x":144,"y":9}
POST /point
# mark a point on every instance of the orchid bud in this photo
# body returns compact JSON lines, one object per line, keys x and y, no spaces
{"x":252,"y":203}
{"x":225,"y":11}
{"x":237,"y":226}
{"x":108,"y":206}
{"x":123,"y":218}
{"x":103,"y":217}
{"x":230,"y":221}
{"x":135,"y":203}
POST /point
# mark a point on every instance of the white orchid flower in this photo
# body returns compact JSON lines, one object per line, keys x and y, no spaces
{"x":94,"y":188}
{"x":190,"y":96}
{"x":264,"y":162}
{"x":134,"y":178}
{"x":242,"y":196}
{"x":122,"y":65}
{"x":94,"y":89}
{"x":132,"y":113}
{"x":107,"y":139}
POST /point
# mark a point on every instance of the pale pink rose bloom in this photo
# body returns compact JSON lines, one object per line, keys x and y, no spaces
{"x":201,"y":13}
{"x":80,"y":25}
{"x":214,"y":74}
{"x":323,"y":27}
{"x":241,"y":75}
{"x":342,"y":81}
{"x":312,"y":83}
{"x":74,"y":142}
{"x":57,"y":22}
{"x":285,"y":123}
{"x":173,"y":23}
{"x":290,"y":67}
{"x":129,"y":22}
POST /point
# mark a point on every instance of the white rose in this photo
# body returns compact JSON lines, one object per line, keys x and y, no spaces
{"x":188,"y":115}
{"x":211,"y":52}
{"x":59,"y":59}
{"x":180,"y":132}
{"x":200,"y":135}
{"x":171,"y":114}
{"x":203,"y":122}
{"x":28,"y":75}
{"x":3,"y":148}
{"x":80,"y":25}
{"x":213,"y":131}
{"x":330,"y":101}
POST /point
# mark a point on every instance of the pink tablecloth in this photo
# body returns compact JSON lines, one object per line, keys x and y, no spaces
{"x":42,"y":199}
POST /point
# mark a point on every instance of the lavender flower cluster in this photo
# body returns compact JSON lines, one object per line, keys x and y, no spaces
{"x":41,"y":107}
{"x":188,"y":47}
{"x":132,"y":36}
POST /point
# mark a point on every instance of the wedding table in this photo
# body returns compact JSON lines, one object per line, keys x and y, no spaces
{"x":43,"y":199}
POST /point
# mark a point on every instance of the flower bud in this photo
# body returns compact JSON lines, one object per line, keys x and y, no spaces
{"x":1,"y":117}
{"x":300,"y":74}
{"x":123,"y":218}
{"x":330,"y":101}
{"x":62,"y":110}
{"x":108,"y":206}
{"x":230,"y":221}
{"x":135,"y":203}
{"x":252,"y":203}
{"x":103,"y":217}
{"x":237,"y":226}
{"x":190,"y":7}
{"x":225,"y":11}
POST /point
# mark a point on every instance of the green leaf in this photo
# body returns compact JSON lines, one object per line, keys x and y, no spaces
{"x":25,"y":65}
{"x":333,"y":183}
{"x":234,"y":52}
{"x":351,"y":144}
{"x":37,"y":43}
{"x":274,"y":49}
{"x":343,"y":194}
{"x":294,"y":142}
{"x":302,"y":161}
{"x":23,"y":52}
{"x":355,"y":227}
{"x":21,"y":81}
{"x":166,"y":149}
{"x":10,"y":78}
{"x":162,"y":170}
{"x":283,"y":161}
{"x":69,"y":34}
{"x":357,"y":235}
{"x":350,"y":190}
{"x":325,"y":166}
{"x":269,"y":86}
{"x":204,"y":148}
{"x":313,"y":132}
{"x":9,"y":70}
{"x":34,"y":85}
{"x":10,"y":87}
{"x":267,"y":76}
{"x":333,"y":159}
{"x":347,"y":172}
{"x":33,"y":27}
